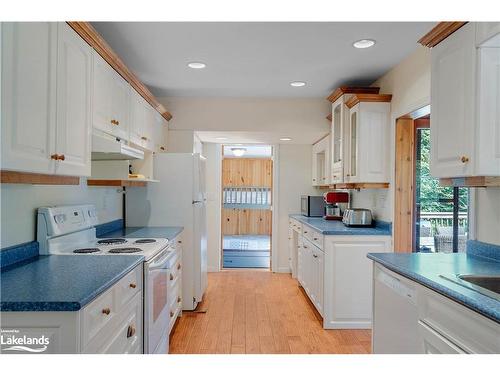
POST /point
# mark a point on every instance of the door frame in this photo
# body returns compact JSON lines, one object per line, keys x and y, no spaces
{"x":273,"y":267}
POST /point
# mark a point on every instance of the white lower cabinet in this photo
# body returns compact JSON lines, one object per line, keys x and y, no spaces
{"x":112,"y":323}
{"x":439,"y":326}
{"x":336,"y":274}
{"x":174,"y":284}
{"x":348,"y":280}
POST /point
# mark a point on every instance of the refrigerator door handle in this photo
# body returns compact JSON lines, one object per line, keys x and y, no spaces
{"x":194,"y":202}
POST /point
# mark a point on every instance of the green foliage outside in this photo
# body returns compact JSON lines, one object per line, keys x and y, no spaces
{"x":430,"y":191}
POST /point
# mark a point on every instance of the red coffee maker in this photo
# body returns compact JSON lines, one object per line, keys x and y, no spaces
{"x":336,"y":203}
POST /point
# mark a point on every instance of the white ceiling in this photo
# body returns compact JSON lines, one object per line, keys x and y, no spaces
{"x":258,"y":59}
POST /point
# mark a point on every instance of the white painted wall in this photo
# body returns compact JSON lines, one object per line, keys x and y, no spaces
{"x":294,"y":179}
{"x":213,"y":153}
{"x":19,"y":204}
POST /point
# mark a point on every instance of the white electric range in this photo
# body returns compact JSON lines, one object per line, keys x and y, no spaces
{"x":70,"y":230}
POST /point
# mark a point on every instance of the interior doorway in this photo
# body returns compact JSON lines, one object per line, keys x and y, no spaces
{"x":246,"y":228}
{"x":428,"y":217}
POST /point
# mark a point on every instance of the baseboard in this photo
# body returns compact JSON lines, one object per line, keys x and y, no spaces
{"x":283,"y":270}
{"x":347,"y":325}
{"x":213,"y":269}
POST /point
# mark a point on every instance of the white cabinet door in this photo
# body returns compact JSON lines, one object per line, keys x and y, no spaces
{"x":352,"y":170}
{"x":101,"y":95}
{"x":137,"y":116}
{"x":73,"y":131}
{"x":120,"y":102}
{"x":346,"y":264}
{"x":337,"y":141}
{"x":317,"y":276}
{"x":435,"y":343}
{"x":453,"y":63}
{"x":321,"y":162}
{"x":158,"y":138}
{"x":28,"y":96}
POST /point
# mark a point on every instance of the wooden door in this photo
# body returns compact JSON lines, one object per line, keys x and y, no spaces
{"x":74,"y":68}
{"x":246,"y":172}
{"x":28,"y":95}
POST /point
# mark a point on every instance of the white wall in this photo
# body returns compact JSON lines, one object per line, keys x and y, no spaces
{"x":19,"y":204}
{"x":213,"y":153}
{"x":294,"y":179}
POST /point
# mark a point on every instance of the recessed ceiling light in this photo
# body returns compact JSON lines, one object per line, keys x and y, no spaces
{"x":285,"y":139}
{"x":297,"y":84}
{"x":197,"y":65}
{"x":221,"y":138}
{"x":238,"y":151}
{"x":364,"y":43}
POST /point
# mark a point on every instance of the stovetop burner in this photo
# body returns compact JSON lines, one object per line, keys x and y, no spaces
{"x":124,"y":250}
{"x":89,"y":250}
{"x":145,"y":240}
{"x":112,"y":241}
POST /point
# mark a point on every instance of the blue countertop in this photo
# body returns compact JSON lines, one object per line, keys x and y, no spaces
{"x":144,"y":232}
{"x":61,"y":282}
{"x":337,"y":228}
{"x":425,"y":268}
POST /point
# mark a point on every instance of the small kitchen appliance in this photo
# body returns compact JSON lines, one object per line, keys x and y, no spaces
{"x":312,"y":206}
{"x":357,"y":217}
{"x":70,"y":230}
{"x":336,"y":202}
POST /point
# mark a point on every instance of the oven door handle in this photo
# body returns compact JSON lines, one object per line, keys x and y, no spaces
{"x":159,"y":261}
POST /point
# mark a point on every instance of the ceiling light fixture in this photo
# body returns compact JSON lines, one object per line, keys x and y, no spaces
{"x":238,"y":151}
{"x":285,"y":139}
{"x":364,"y":43}
{"x":197,"y":65}
{"x":297,"y":84}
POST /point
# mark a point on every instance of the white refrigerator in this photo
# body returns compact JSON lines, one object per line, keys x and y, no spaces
{"x":178,"y":199}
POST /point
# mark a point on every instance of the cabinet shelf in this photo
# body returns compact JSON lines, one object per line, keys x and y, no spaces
{"x":120,"y":182}
{"x":476,"y":181}
{"x":11,"y":177}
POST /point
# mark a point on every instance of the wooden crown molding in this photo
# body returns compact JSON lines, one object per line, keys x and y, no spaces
{"x":92,"y":37}
{"x":351,"y":90}
{"x":329,"y":117}
{"x":358,"y":98}
{"x":12,"y":177}
{"x":439,"y":33}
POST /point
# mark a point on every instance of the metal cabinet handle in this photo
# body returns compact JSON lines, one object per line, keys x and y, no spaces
{"x":179,"y":299}
{"x":179,"y":241}
{"x":171,"y":314}
{"x":115,"y":122}
{"x":171,"y":277}
{"x":62,"y":157}
{"x":162,"y":148}
{"x":130,"y":331}
{"x":305,"y":231}
{"x":58,"y":157}
{"x":315,"y":238}
{"x":144,"y":138}
{"x":464,"y":159}
{"x":106,"y":311}
{"x":133,"y":285}
{"x":179,"y":266}
{"x":315,"y":256}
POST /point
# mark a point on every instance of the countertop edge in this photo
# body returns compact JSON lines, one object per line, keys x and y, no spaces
{"x":436,"y":287}
{"x":67,"y":306}
{"x":363,"y":231}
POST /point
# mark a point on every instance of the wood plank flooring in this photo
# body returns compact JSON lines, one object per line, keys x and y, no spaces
{"x":253,"y":311}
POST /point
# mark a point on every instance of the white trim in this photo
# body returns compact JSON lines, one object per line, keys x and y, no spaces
{"x":275,"y":212}
{"x":283,"y":270}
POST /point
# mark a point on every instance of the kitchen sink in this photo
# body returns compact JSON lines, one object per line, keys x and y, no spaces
{"x":490,"y":282}
{"x":488,"y":285}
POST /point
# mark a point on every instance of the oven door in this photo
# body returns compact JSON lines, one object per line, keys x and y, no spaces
{"x":156,"y":305}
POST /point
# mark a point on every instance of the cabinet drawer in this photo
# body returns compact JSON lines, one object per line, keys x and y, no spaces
{"x":127,"y":287}
{"x":97,"y":315}
{"x":434,"y":343}
{"x":174,"y":294}
{"x":124,"y":334}
{"x":466,"y":329}
{"x":315,"y":237}
{"x":295,"y":225}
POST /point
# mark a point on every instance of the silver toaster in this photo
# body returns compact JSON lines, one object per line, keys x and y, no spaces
{"x":357,"y":217}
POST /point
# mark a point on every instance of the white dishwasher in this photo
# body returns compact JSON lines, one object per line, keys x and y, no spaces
{"x":395,"y":316}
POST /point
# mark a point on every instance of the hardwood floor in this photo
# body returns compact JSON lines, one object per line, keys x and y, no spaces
{"x":259,"y":312}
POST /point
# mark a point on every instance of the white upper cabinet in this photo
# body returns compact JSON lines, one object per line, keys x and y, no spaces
{"x":28,"y":96}
{"x":339,"y":112}
{"x":73,"y":124}
{"x":111,"y":100}
{"x":142,"y":121}
{"x":321,"y":162}
{"x":465,"y":102}
{"x":158,"y":133}
{"x":46,"y":99}
{"x":368,"y":143}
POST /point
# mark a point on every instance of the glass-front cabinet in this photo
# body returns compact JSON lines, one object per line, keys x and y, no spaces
{"x":321,"y":162}
{"x":337,"y":133}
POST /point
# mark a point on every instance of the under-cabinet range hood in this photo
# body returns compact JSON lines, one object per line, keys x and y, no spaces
{"x":107,"y":147}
